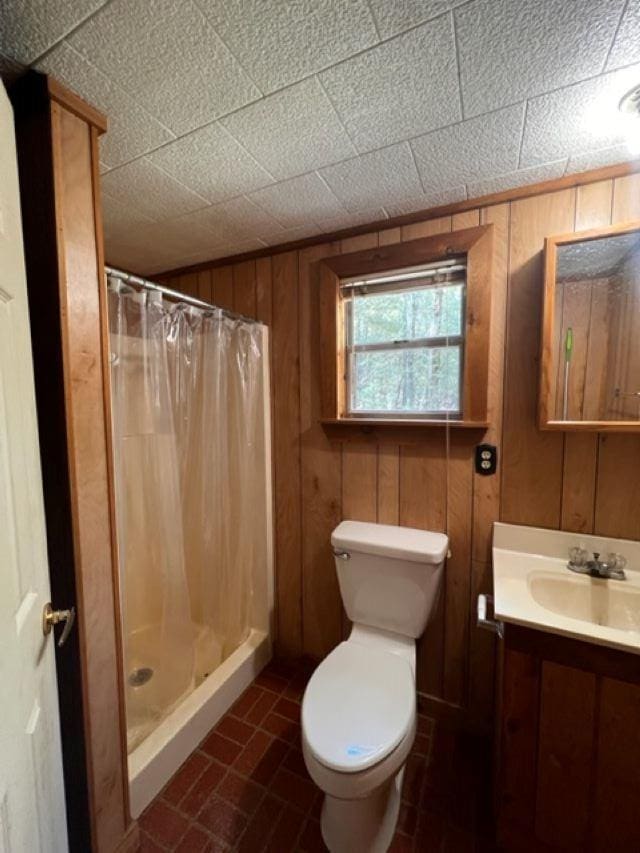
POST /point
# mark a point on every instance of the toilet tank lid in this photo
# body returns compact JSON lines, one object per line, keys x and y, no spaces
{"x":387,"y":540}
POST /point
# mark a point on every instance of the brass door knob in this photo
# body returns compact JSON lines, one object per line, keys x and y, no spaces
{"x":51,"y":617}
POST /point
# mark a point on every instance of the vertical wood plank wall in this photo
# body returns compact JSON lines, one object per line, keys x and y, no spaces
{"x":582,"y":482}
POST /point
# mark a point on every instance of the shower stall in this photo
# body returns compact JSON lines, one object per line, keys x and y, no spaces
{"x":191,"y":438}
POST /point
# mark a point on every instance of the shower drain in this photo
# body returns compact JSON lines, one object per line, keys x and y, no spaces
{"x":140,"y":676}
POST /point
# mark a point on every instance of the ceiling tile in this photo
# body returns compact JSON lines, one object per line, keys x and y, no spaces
{"x":395,"y":17}
{"x":425,"y":202}
{"x":510,"y":50}
{"x":234,"y":220}
{"x":577,"y":119}
{"x":298,"y":201}
{"x":281,"y":41}
{"x":30,"y":28}
{"x":288,"y":235}
{"x":398,"y":89}
{"x":132,"y":130}
{"x":292,"y":132}
{"x":350,"y":220}
{"x":602,"y":157}
{"x":210,"y":162}
{"x":120,"y":220}
{"x":626,"y":47}
{"x":519,"y":178}
{"x":372,"y":180}
{"x":150,"y":190}
{"x":176,"y":66}
{"x":469,"y":151}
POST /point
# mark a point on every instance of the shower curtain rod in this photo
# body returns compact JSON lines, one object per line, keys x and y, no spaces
{"x":175,"y":294}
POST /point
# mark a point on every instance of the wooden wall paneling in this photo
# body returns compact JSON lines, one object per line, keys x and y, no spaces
{"x":458,"y":570}
{"x":205,"y":290}
{"x":288,"y":545}
{"x":467,"y":219}
{"x":425,"y":229}
{"x":389,"y":236}
{"x":593,"y":208}
{"x":617,"y":767}
{"x":90,"y":495}
{"x":564,"y":755}
{"x":532,"y":460}
{"x":222,"y":287}
{"x":321,"y":475}
{"x":518,"y":733}
{"x":359,"y":461}
{"x":618,"y":483}
{"x":244,"y":288}
{"x":189,"y":284}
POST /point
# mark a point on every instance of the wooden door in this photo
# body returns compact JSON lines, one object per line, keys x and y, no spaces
{"x":32,"y":809}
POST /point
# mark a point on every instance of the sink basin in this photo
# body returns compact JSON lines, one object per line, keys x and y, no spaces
{"x":601,"y":602}
{"x":533,"y":586}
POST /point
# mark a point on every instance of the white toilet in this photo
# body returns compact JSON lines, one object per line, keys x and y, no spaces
{"x":359,"y":708}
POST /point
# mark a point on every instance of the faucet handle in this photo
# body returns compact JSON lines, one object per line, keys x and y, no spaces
{"x":578,"y":556}
{"x":616,"y":561}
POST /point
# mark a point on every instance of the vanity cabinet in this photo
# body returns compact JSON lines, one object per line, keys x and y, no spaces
{"x":568,"y":744}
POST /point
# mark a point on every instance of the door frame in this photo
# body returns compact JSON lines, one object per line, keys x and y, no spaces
{"x":57,"y":140}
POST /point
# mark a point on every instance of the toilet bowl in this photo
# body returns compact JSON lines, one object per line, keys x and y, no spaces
{"x":359,"y":708}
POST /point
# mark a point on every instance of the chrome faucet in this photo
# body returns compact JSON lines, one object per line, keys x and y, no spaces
{"x":612,"y":568}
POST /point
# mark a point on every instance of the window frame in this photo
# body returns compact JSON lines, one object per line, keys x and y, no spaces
{"x":417,"y":343}
{"x":475,"y":244}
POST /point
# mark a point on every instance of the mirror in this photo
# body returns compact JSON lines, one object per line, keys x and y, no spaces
{"x":590,"y":366}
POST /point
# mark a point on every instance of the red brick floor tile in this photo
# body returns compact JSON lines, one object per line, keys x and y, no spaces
{"x":234,"y":729}
{"x":202,"y":790}
{"x":286,"y":831}
{"x":295,"y":763}
{"x":148,"y":845}
{"x":289,"y":709}
{"x":186,"y":777}
{"x":413,"y":779}
{"x":316,"y":808}
{"x":195,"y":841}
{"x":240,"y":792}
{"x":163,"y":823}
{"x":252,"y":753}
{"x":458,"y":841}
{"x":223,"y":820}
{"x":281,"y":727}
{"x":430,"y":832}
{"x":272,"y":682}
{"x":261,"y":757}
{"x":293,"y":789}
{"x":221,"y":748}
{"x":311,"y":838}
{"x":261,"y":708}
{"x":246,"y":702}
{"x":263,"y":823}
{"x":401,"y":843}
{"x":286,"y":669}
{"x":407,"y":819}
{"x":421,"y":745}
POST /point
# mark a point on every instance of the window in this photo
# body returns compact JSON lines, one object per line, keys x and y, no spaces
{"x":404,"y":342}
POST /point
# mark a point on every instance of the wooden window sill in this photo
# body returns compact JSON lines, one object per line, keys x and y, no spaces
{"x":377,"y":423}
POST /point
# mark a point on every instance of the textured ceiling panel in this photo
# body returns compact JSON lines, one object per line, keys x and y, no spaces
{"x":299,"y":201}
{"x":150,"y":190}
{"x":576,"y":119}
{"x":399,"y":89}
{"x":29,"y":28}
{"x":396,"y":17}
{"x":520,"y":178}
{"x":375,"y":179}
{"x":234,"y":124}
{"x":212,"y":163}
{"x":132,"y":131}
{"x":626,"y":48}
{"x":292,"y":132}
{"x":472,"y":150}
{"x":281,"y":41}
{"x":168,"y":55}
{"x":511,"y":49}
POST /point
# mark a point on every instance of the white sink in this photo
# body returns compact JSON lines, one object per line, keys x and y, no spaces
{"x":534,"y":587}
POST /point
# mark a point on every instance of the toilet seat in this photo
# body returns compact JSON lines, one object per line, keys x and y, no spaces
{"x":359,"y":705}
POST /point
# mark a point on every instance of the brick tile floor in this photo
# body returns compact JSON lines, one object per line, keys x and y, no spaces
{"x":246,"y":787}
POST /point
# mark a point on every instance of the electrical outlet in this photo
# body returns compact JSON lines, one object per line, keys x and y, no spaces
{"x":486,"y":459}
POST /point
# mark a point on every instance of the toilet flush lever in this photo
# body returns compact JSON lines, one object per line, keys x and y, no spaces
{"x":341,"y":555}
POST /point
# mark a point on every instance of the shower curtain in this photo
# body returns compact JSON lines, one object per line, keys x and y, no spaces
{"x":188,"y":418}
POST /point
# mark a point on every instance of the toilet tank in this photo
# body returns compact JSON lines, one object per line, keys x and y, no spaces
{"x":389,"y":576}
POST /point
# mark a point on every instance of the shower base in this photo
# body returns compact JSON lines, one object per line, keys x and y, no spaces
{"x":156,"y":759}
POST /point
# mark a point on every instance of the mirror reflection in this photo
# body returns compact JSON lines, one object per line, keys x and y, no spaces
{"x":596,"y":333}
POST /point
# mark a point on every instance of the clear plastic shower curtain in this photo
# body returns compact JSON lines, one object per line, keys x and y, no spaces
{"x":188,"y":411}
